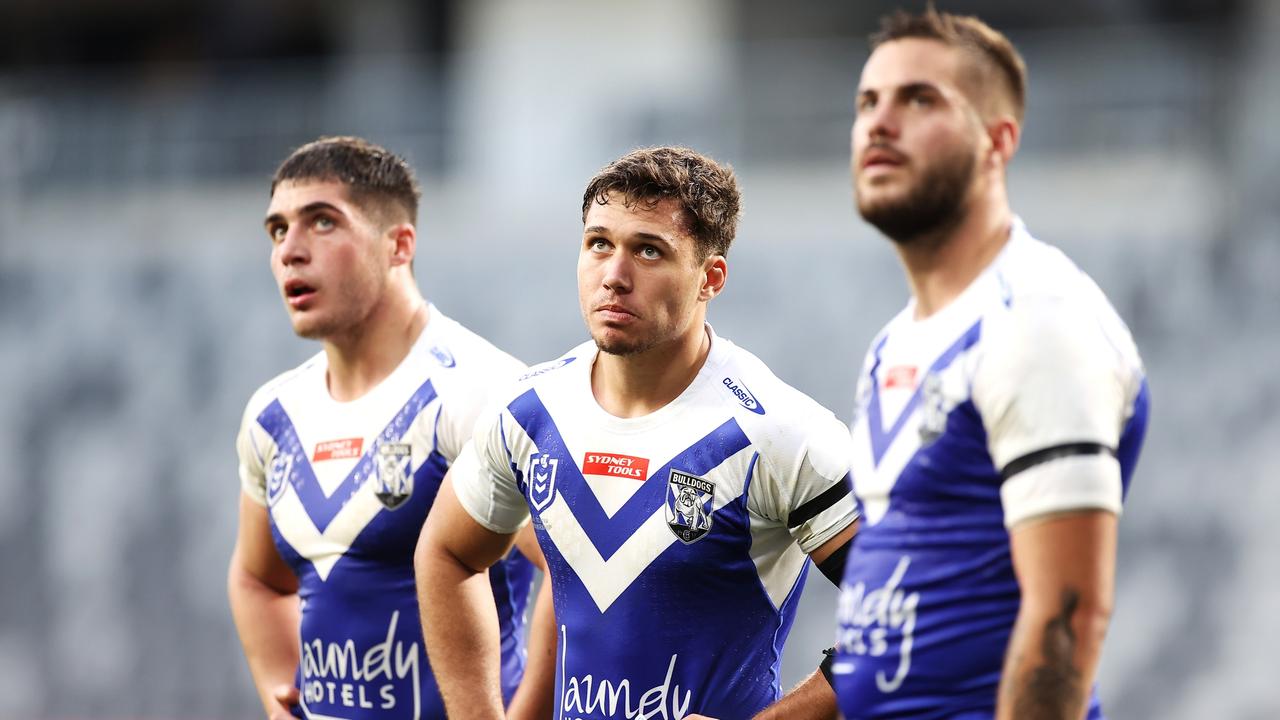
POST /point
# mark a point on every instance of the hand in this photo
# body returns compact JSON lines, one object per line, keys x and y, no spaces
{"x":287,"y":697}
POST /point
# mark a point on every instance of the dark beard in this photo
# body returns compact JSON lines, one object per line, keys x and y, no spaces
{"x":934,"y":204}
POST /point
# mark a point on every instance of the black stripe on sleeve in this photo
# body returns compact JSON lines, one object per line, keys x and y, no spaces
{"x":814,"y":507}
{"x":1030,"y":460}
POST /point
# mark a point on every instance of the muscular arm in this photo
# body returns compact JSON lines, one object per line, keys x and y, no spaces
{"x":535,"y":698}
{"x":1066,"y":570}
{"x":459,"y":618}
{"x":264,"y":604}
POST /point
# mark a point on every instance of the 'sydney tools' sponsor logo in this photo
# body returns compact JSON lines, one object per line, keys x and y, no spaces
{"x":338,"y":449}
{"x":627,"y":466}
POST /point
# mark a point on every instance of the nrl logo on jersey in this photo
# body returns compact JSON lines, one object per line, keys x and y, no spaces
{"x":393,"y":483}
{"x":279,"y":476}
{"x":542,"y":480}
{"x":689,"y":506}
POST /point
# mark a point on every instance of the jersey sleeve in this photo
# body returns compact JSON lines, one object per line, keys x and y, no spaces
{"x":251,"y":452}
{"x":459,"y":414}
{"x":1052,"y":392}
{"x":484,"y":478}
{"x":804,"y":483}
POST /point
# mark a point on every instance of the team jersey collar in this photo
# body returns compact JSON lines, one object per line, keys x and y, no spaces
{"x":715,"y":357}
{"x":974,"y":292}
{"x":392,"y":383}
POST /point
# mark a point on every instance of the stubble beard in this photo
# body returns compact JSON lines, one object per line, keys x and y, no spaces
{"x":625,"y":347}
{"x":935,"y":202}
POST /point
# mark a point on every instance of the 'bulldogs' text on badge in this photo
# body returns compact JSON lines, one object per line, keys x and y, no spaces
{"x":689,"y":508}
{"x":393,"y":483}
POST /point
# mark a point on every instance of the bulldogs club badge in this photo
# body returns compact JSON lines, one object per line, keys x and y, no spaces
{"x":542,"y":480}
{"x":393,"y":483}
{"x":689,"y":506}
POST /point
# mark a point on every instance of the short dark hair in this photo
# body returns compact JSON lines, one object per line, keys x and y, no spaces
{"x":371,"y":173}
{"x":706,"y":190}
{"x":995,"y":54}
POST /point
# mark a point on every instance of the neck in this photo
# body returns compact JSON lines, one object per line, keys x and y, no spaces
{"x":940,"y":266}
{"x":365,"y":356}
{"x":636,"y":385}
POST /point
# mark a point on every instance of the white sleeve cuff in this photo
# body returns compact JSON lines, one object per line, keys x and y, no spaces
{"x":1074,"y":482}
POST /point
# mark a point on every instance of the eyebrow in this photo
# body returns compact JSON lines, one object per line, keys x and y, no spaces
{"x":308,"y":209}
{"x":907,"y":89}
{"x":651,"y":237}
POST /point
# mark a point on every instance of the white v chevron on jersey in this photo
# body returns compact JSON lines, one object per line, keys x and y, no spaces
{"x":621,"y":545}
{"x":302,"y":513}
{"x":885,"y":449}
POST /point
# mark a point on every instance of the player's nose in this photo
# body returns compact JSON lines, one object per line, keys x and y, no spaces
{"x":293,"y":248}
{"x":617,"y":275}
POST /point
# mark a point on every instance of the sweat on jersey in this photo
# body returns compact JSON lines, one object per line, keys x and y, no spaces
{"x":676,"y":542}
{"x":1023,"y":396}
{"x":347,"y":487}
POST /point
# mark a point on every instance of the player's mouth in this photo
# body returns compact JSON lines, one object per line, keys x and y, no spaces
{"x":298,"y":294}
{"x":881,"y":159}
{"x":615,"y":314}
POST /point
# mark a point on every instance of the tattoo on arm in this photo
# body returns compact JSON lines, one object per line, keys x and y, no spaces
{"x":1052,"y":690}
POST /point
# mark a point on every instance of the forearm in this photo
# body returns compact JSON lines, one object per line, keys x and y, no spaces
{"x":535,"y":698}
{"x":812,"y":699}
{"x":1052,"y":658}
{"x":267,"y":622}
{"x":460,"y":626}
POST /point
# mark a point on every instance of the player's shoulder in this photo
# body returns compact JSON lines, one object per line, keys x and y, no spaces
{"x":766,"y":406}
{"x":548,"y":376}
{"x":1042,"y":299}
{"x":287,"y":381}
{"x":457,"y":355}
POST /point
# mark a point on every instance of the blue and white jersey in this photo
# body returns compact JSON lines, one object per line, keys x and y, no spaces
{"x":676,"y":542}
{"x":348,"y":486}
{"x":1023,"y":396}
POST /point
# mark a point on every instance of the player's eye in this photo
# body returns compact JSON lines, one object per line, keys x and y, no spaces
{"x":598,"y":245}
{"x":921,"y":100}
{"x":277,"y":233}
{"x":865,"y":103}
{"x":649,"y":252}
{"x":322,"y":222}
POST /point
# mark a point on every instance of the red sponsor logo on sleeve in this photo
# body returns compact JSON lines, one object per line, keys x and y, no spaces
{"x":902,"y":376}
{"x":625,"y":466}
{"x":338,"y":449}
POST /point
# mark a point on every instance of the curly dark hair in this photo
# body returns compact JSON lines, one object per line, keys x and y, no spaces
{"x":373,"y":175}
{"x":706,"y":190}
{"x":996,"y":56}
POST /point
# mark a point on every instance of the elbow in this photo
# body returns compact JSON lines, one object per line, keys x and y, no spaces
{"x":1091,"y":620}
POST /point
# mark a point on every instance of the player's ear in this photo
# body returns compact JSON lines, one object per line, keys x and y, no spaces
{"x":1005,"y":134}
{"x":404,"y":243}
{"x":715,"y":272}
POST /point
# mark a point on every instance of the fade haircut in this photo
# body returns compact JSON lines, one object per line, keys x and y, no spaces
{"x":995,"y":57}
{"x":706,"y":191}
{"x":377,"y":180}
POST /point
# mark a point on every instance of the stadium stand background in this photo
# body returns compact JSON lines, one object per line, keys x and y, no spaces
{"x":137,"y":312}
